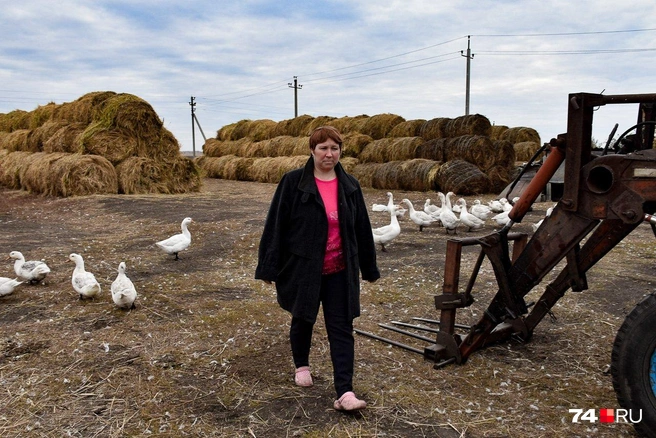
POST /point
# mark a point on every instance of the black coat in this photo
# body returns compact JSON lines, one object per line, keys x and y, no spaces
{"x":294,"y":239}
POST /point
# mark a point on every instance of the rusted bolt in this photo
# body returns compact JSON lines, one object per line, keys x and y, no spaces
{"x":629,"y":214}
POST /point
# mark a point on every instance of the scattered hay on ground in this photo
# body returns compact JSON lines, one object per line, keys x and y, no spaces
{"x":463,"y":178}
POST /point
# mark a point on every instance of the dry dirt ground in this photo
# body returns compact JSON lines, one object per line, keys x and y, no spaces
{"x":205,"y":352}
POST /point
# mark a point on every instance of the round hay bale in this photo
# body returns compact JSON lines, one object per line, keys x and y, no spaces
{"x":3,"y":138}
{"x":500,"y":177}
{"x":11,"y":167}
{"x":218,"y":148}
{"x":504,"y":154}
{"x":42,"y":114}
{"x":525,"y":150}
{"x":78,"y":175}
{"x":354,"y":143}
{"x":286,"y":146}
{"x":16,"y":140}
{"x":349,"y":163}
{"x":38,"y":137}
{"x":35,"y":174}
{"x":432,"y":149}
{"x":296,"y":127}
{"x":227,"y":167}
{"x":390,"y":149}
{"x":318,"y":122}
{"x":409,"y":128}
{"x":471,"y":124}
{"x":138,"y":175}
{"x":84,"y":109}
{"x":419,"y":175}
{"x":434,"y":128}
{"x":348,"y":125}
{"x":364,"y":172}
{"x":65,"y":139}
{"x":240,"y":129}
{"x":111,"y":144}
{"x":380,"y":125}
{"x":462,"y":178}
{"x":520,"y":134}
{"x":14,"y":120}
{"x":496,"y":131}
{"x":271,"y":169}
{"x":225,"y":132}
{"x":181,"y":175}
{"x":261,"y":129}
{"x":387,"y":175}
{"x":476,"y":149}
{"x":129,"y":115}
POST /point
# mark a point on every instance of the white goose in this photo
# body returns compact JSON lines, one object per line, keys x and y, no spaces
{"x":479,"y":210}
{"x":502,"y":218}
{"x":179,"y":242}
{"x":431,"y":209}
{"x":33,"y":271}
{"x":419,"y":217}
{"x":469,"y":220}
{"x":7,"y":285}
{"x":454,"y":208}
{"x":83,"y":282}
{"x":449,"y":219}
{"x":386,"y":207}
{"x":123,"y":291}
{"x":387,"y":233}
{"x":496,"y":206}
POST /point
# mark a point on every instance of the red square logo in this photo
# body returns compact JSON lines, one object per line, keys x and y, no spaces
{"x":607,"y":415}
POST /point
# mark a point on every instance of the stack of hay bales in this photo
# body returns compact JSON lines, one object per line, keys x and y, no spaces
{"x":103,"y":142}
{"x":465,"y":155}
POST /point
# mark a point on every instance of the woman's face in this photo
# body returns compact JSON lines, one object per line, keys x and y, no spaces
{"x":326,"y":155}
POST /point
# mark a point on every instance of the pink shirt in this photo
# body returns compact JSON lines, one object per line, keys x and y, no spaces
{"x":333,"y":260}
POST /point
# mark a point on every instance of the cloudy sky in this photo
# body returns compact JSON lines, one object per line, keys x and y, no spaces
{"x":350,"y":57}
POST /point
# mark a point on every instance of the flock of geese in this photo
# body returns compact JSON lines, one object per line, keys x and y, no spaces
{"x":124,"y":294}
{"x":447,"y":214}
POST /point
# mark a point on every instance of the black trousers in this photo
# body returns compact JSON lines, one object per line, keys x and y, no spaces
{"x":339,"y":327}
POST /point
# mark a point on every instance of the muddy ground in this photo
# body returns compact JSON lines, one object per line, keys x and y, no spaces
{"x":205,"y":352}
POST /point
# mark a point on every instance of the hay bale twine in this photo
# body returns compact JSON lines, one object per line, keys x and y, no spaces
{"x":14,"y":120}
{"x":525,"y":150}
{"x":79,"y":175}
{"x":471,"y":124}
{"x":354,"y":143}
{"x":271,"y":169}
{"x":408,"y":128}
{"x":11,"y":167}
{"x":462,"y":178}
{"x":85,"y":109}
{"x":432,"y":149}
{"x":476,"y":149}
{"x":520,"y":134}
{"x":138,"y":175}
{"x":434,"y":128}
{"x":496,"y":131}
{"x":380,"y":125}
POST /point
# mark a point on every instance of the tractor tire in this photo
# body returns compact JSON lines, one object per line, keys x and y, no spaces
{"x":633,"y":365}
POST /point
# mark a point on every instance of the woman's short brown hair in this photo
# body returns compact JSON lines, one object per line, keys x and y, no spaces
{"x":322,"y":134}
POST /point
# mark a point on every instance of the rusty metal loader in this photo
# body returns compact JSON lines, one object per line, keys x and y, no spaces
{"x":606,"y":195}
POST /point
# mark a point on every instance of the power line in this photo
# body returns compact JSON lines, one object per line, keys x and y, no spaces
{"x":565,"y":33}
{"x":561,"y":52}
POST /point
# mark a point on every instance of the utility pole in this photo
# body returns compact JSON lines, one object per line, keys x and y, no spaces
{"x":295,"y":85}
{"x":469,"y":57}
{"x":193,"y":131}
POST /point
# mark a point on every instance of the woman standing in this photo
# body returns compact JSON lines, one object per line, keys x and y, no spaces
{"x":317,"y":239}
